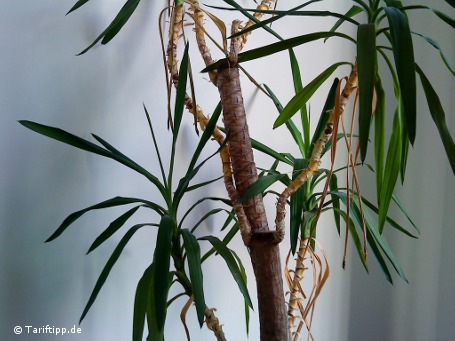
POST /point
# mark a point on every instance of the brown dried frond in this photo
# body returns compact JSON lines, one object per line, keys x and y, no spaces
{"x":301,"y":307}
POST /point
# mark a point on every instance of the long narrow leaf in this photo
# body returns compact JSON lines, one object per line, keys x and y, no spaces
{"x":115,"y":26}
{"x":108,"y":267}
{"x":297,"y":206}
{"x":436,"y":45}
{"x":391,"y":171}
{"x":403,"y":53}
{"x":161,"y":259}
{"x":438,"y":116}
{"x":193,"y":253}
{"x":75,"y":141}
{"x":366,"y":64}
{"x":112,"y":228}
{"x":352,"y":12}
{"x":260,"y":185}
{"x":303,"y":96}
{"x":325,"y":114}
{"x":279,"y":46}
{"x":143,"y":290}
{"x":374,"y":230}
{"x":379,"y":135}
{"x":117,"y":201}
{"x":224,"y":252}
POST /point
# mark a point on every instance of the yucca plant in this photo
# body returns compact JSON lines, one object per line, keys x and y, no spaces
{"x":383,"y":40}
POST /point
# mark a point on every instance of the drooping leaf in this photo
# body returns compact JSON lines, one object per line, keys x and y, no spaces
{"x":333,"y":187}
{"x":303,"y":96}
{"x":438,"y":116}
{"x":75,"y":141}
{"x":112,"y":228}
{"x":392,"y":222}
{"x":115,"y":26}
{"x":207,"y":215}
{"x":366,"y":65}
{"x":374,"y":230}
{"x":297,"y":205}
{"x":379,"y":135}
{"x":391,"y":171}
{"x":161,"y":259}
{"x":108,"y":267}
{"x":144,"y":288}
{"x":403,"y":53}
{"x":193,"y":253}
{"x":117,"y":201}
{"x":224,"y":252}
{"x":244,"y":276}
{"x":436,"y":45}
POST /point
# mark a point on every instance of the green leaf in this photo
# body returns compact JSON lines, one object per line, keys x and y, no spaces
{"x":269,"y":151}
{"x":352,"y":12}
{"x":445,"y":18}
{"x":115,"y":26}
{"x":205,"y":216}
{"x":333,"y":187}
{"x":436,"y":45}
{"x":374,"y":230}
{"x":75,"y":141}
{"x":392,"y":222}
{"x":206,"y":136}
{"x":303,"y":96}
{"x":403,"y":53}
{"x":108,"y":267}
{"x":112,"y":228}
{"x":78,"y":4}
{"x":451,"y":2}
{"x":295,"y":133}
{"x":354,"y":236}
{"x":298,"y":86}
{"x":325,"y":114}
{"x":277,"y":15}
{"x":260,"y":185}
{"x":224,"y":252}
{"x":181,"y":92}
{"x":247,"y":308}
{"x":143,"y":291}
{"x":438,"y":116}
{"x":297,"y":205}
{"x":366,"y":64}
{"x":161,"y":259}
{"x":391,"y":171}
{"x":379,"y":135}
{"x":117,"y":201}
{"x":278,"y":47}
{"x":194,"y":264}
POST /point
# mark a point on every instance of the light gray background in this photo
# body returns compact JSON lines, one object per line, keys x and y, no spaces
{"x":42,"y":181}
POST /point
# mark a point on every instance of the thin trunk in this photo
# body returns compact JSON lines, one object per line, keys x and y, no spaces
{"x":264,"y":251}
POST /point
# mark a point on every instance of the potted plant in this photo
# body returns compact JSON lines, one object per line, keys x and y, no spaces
{"x":382,"y":44}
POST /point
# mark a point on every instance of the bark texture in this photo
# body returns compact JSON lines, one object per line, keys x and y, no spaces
{"x":264,"y":250}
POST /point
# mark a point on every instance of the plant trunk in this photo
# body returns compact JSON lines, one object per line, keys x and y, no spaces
{"x":264,"y":251}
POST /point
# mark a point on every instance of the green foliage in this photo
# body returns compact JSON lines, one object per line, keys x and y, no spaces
{"x":177,"y":256}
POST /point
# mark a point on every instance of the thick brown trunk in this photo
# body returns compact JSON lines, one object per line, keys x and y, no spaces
{"x":264,"y":251}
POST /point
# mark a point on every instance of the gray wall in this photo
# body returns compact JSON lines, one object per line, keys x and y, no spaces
{"x":102,"y":92}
